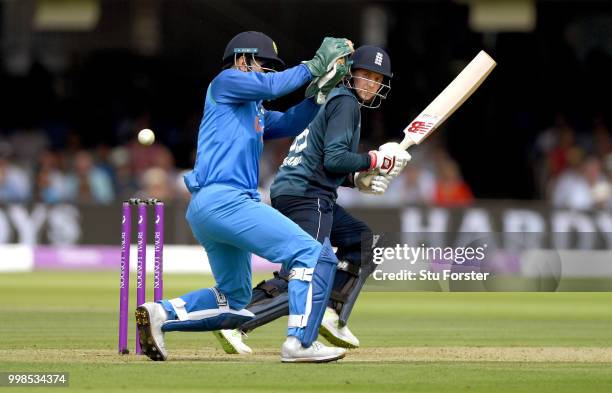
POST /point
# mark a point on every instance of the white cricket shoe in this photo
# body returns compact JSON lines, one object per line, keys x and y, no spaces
{"x":336,"y":335}
{"x":231,"y":341}
{"x":292,"y":351}
{"x":149,"y":319}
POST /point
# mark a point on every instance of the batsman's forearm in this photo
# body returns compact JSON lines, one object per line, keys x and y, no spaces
{"x":347,"y":162}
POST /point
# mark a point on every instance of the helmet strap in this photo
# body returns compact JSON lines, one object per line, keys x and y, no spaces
{"x":249,"y":63}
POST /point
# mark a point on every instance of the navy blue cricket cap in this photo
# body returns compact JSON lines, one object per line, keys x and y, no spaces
{"x":372,"y":58}
{"x":255,"y":42}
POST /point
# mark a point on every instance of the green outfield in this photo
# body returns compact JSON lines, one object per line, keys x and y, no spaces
{"x":416,"y":342}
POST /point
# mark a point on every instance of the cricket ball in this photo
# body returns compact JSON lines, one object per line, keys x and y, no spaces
{"x":146,"y":137}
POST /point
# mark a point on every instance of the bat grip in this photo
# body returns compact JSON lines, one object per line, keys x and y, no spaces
{"x":406,"y":143}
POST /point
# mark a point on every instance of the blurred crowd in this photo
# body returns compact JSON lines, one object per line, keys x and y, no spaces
{"x":573,"y":169}
{"x":32,"y":172}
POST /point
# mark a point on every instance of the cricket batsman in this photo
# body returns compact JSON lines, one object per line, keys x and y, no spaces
{"x":322,"y":158}
{"x":226,"y":215}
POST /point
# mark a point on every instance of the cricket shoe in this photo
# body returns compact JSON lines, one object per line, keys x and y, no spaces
{"x":149,"y":320}
{"x":337,"y":335}
{"x":292,"y":351}
{"x":231,"y":341}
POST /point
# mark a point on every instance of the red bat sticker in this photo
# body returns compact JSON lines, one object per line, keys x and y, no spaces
{"x":420,"y":127}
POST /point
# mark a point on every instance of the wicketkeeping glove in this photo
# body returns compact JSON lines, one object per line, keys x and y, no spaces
{"x":321,"y":86}
{"x":331,"y":50}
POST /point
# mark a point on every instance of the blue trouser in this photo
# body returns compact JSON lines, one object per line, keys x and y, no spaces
{"x":231,"y":224}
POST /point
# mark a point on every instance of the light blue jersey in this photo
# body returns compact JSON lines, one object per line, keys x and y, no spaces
{"x":235,"y":123}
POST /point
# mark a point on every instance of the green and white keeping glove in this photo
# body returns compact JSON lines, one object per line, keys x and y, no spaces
{"x":321,"y":86}
{"x":330,"y":51}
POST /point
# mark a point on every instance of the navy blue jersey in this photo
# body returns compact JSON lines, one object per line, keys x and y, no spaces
{"x":322,"y":156}
{"x":235,"y":123}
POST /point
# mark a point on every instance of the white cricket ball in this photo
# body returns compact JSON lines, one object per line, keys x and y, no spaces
{"x":146,"y":137}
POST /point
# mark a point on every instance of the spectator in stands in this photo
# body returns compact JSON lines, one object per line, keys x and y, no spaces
{"x":125,"y":183}
{"x":558,"y":159}
{"x":165,"y":160}
{"x":89,"y":183}
{"x":582,"y":187}
{"x":450,"y":189}
{"x":602,"y":143}
{"x":545,"y":142}
{"x":418,"y":185}
{"x":156,"y":183}
{"x":607,"y":163}
{"x":51,"y":185}
{"x":27,"y":145}
{"x":14,"y":181}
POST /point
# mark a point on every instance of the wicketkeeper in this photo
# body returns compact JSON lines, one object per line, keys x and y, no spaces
{"x":226,"y":214}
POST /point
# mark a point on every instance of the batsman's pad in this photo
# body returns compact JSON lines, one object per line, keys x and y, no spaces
{"x":321,"y":285}
{"x":346,"y":279}
{"x":269,"y":301}
{"x":267,"y":310}
{"x":270,"y":288}
{"x":346,"y":297}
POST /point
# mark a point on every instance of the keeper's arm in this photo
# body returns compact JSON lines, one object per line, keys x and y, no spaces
{"x":292,"y":122}
{"x":234,"y":86}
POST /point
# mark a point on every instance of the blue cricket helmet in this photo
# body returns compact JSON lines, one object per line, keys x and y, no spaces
{"x":254,"y":42}
{"x":375,"y":59}
{"x":372,"y":58}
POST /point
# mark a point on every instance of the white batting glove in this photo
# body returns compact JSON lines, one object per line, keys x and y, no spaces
{"x":371,"y":182}
{"x":379,"y":184}
{"x":402,"y":156}
{"x":391,"y":147}
{"x":389,"y":161}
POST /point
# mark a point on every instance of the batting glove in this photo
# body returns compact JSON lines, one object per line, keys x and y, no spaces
{"x":371,"y":183}
{"x":389,"y":163}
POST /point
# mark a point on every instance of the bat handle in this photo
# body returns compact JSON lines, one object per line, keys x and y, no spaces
{"x":406,"y":143}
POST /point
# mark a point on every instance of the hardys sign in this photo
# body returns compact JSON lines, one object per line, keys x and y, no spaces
{"x":65,"y":224}
{"x":48,"y":224}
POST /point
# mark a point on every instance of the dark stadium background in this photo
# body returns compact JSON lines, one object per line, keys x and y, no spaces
{"x":105,"y":76}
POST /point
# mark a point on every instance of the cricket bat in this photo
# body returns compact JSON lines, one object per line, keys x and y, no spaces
{"x":447,"y":102}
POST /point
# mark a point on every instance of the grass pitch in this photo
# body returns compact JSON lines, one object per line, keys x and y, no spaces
{"x":416,"y":342}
